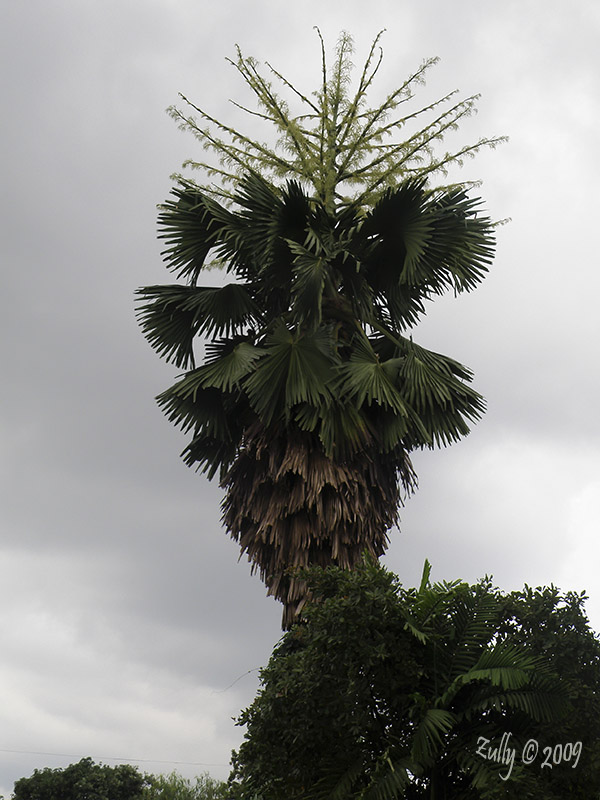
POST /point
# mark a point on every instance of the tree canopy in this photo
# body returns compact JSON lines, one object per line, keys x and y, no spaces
{"x":87,"y":780}
{"x":176,"y":787}
{"x":383,"y":692}
{"x":84,"y":780}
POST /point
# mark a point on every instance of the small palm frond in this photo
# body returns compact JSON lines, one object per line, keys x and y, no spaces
{"x":504,"y":665}
{"x":193,"y":409}
{"x":364,"y":380}
{"x":507,"y":677}
{"x":390,"y":429}
{"x":462,"y":243}
{"x":296,"y":369}
{"x":261,"y":209}
{"x":430,"y":734}
{"x":425,"y":575}
{"x":474,"y":619}
{"x":188,"y":229}
{"x":227,"y":371}
{"x":417,"y":243}
{"x":175,"y":315}
{"x":536,"y":702}
{"x":209,"y":455}
{"x":217,"y":420}
{"x":309,"y":275}
{"x":435,"y":387}
{"x":168,"y":323}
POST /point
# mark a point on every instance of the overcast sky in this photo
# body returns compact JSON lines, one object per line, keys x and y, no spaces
{"x":125,"y":616}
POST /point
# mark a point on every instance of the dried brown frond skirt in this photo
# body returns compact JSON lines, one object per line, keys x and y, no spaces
{"x":289,"y":506}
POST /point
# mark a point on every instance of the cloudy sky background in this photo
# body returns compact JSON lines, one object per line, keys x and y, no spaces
{"x":125,"y":616}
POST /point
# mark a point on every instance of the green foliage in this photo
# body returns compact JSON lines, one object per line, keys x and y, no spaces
{"x":82,"y":781}
{"x":555,"y":626}
{"x":383,"y":692}
{"x":176,"y":787}
{"x":89,"y":781}
{"x":318,"y":327}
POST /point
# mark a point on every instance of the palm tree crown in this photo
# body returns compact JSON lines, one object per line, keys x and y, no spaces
{"x":312,"y":392}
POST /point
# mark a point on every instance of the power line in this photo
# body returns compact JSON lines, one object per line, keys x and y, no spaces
{"x":135,"y":760}
{"x":114,"y":758}
{"x":220,"y":691}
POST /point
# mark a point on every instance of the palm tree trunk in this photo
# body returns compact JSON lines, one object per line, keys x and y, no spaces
{"x":289,"y":507}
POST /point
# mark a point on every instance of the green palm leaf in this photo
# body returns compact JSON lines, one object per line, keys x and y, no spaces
{"x":363,"y":379}
{"x":209,"y":414}
{"x":390,"y":429}
{"x":309,"y":275}
{"x":435,"y":387}
{"x":343,"y":431}
{"x":175,"y":315}
{"x":296,"y":369}
{"x":186,"y":409}
{"x":475,"y":619}
{"x":188,"y":229}
{"x":430,"y":733}
{"x":227,"y":371}
{"x":423,"y":243}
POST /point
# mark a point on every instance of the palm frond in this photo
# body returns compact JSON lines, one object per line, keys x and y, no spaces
{"x":536,"y":702}
{"x":296,"y":369}
{"x":424,"y":243}
{"x":188,"y":229}
{"x":429,"y":735}
{"x":364,"y":380}
{"x":309,"y":276}
{"x":475,"y":620}
{"x":175,"y":315}
{"x":187,"y":410}
{"x":227,"y":371}
{"x":343,"y":430}
{"x":435,"y":387}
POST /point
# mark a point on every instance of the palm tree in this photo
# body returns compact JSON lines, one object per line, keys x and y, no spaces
{"x":312,"y":393}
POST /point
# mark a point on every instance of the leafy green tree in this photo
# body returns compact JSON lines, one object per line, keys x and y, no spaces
{"x":312,"y":393}
{"x":176,"y":787}
{"x":383,"y":692}
{"x":554,"y":626}
{"x":82,"y":781}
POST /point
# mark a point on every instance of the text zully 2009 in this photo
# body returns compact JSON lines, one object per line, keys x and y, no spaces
{"x":504,"y":754}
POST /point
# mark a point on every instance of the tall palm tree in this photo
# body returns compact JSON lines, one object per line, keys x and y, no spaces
{"x":312,"y":392}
